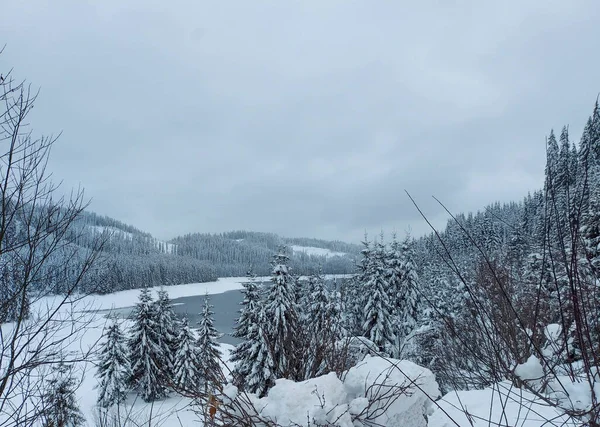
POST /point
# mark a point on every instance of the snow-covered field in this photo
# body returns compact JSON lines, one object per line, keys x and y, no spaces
{"x":310,"y":250}
{"x":503,"y":404}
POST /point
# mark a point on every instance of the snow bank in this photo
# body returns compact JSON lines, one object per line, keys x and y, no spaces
{"x":318,"y":400}
{"x":380,"y":379}
{"x":574,"y":394}
{"x":379,"y":391}
{"x":130,"y":297}
{"x":501,"y":405}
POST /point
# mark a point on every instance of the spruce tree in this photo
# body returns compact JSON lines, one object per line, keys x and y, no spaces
{"x":146,"y":351}
{"x":262,"y":369}
{"x":354,"y":295}
{"x":590,"y":231}
{"x":320,"y":327}
{"x":167,"y":328}
{"x":61,"y":408}
{"x":246,"y":330}
{"x":281,"y":319}
{"x":113,"y":368}
{"x":409,"y":310}
{"x":304,"y":298}
{"x":393,"y":261}
{"x":563,"y":177}
{"x":552,"y":163}
{"x":208,"y":352}
{"x":378,"y":310}
{"x":14,"y":299}
{"x":186,"y":375}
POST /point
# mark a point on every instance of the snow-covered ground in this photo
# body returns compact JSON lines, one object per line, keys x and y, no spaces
{"x":501,"y":405}
{"x":326,"y":399}
{"x":129,"y":297}
{"x":311,"y":250}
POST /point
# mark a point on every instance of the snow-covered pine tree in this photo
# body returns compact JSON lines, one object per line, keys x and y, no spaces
{"x":281,"y":320}
{"x":319,"y":326}
{"x":208,"y":352}
{"x":335,"y":311}
{"x":408,"y":314}
{"x":393,"y":261}
{"x":378,"y":310}
{"x":261,"y":373}
{"x":304,"y":298}
{"x":14,"y":299}
{"x":146,"y":353}
{"x":61,"y":408}
{"x":246,"y":330}
{"x":353,"y":293}
{"x":590,"y":231}
{"x":113,"y":368}
{"x":563,"y":176}
{"x":167,"y":328}
{"x":186,"y":375}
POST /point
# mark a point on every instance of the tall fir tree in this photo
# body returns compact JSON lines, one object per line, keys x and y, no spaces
{"x":319,"y":327}
{"x":378,"y":310}
{"x":113,"y":368}
{"x":408,"y":314}
{"x":354,"y":295}
{"x":186,"y":373}
{"x":262,"y":369}
{"x":393,"y":262}
{"x":246,"y":330}
{"x":280,"y":314}
{"x":146,"y":351}
{"x":167,"y":328}
{"x":208,"y":352}
{"x":14,"y":299}
{"x":59,"y":400}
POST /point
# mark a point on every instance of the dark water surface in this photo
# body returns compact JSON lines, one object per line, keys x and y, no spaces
{"x":226,"y":306}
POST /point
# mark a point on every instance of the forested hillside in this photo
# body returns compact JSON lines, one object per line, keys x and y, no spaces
{"x":231,"y":253}
{"x":499,"y":277}
{"x":130,"y":258}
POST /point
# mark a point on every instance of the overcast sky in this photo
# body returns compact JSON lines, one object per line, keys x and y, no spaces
{"x":305,"y":118}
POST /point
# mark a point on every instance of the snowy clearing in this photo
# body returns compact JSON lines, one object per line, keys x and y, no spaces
{"x":311,"y":250}
{"x":112,"y":230}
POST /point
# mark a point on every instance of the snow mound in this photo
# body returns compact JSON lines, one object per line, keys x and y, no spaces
{"x":501,"y":405}
{"x":375,"y":377}
{"x":290,"y":403}
{"x":531,"y":370}
{"x":379,"y":391}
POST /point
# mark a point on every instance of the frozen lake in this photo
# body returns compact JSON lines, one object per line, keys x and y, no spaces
{"x":226,"y":306}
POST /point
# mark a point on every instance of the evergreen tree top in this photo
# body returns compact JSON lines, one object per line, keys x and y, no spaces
{"x":145,"y":296}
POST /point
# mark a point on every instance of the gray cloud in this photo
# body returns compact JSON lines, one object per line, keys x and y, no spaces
{"x":302,"y":118}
